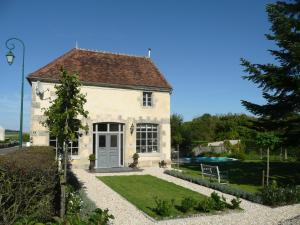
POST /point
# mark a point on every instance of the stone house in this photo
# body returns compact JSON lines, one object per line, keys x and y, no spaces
{"x":2,"y":134}
{"x":128,"y":100}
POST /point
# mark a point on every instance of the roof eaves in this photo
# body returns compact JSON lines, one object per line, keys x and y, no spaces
{"x":97,"y":84}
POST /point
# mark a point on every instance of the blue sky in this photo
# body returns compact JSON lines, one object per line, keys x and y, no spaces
{"x":196,"y":44}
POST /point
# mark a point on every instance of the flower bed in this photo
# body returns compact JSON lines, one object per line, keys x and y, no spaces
{"x":271,"y":196}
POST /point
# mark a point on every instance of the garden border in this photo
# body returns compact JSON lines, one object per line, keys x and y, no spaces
{"x":216,"y":186}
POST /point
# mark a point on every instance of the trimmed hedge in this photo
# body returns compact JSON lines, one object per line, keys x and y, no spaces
{"x":220,"y":187}
{"x":29,"y":185}
{"x":8,"y":144}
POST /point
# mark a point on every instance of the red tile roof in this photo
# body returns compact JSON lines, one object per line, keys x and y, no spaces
{"x":105,"y":69}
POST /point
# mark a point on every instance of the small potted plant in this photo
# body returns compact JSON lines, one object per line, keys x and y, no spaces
{"x":92,"y":159}
{"x":135,"y":162}
{"x":162,"y":164}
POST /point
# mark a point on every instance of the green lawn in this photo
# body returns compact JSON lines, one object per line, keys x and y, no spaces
{"x":141,"y":190}
{"x":247,"y":175}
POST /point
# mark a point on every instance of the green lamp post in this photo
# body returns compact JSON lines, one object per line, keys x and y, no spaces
{"x":10,"y":59}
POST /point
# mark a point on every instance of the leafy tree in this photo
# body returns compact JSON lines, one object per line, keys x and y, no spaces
{"x":26,"y":137}
{"x":176,"y":129}
{"x":63,"y":119}
{"x":203,"y":128}
{"x":267,"y":140}
{"x":234,"y":126}
{"x":208,"y":128}
{"x":280,"y":81}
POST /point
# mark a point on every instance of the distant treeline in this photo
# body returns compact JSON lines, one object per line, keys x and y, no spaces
{"x":208,"y":128}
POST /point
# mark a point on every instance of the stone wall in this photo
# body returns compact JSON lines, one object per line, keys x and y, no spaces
{"x":110,"y":105}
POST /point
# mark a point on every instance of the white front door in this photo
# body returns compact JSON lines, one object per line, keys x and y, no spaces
{"x":109,"y":147}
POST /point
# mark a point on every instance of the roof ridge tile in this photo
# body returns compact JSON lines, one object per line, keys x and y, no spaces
{"x":107,"y":52}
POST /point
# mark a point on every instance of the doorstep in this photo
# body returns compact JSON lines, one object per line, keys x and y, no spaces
{"x":115,"y":170}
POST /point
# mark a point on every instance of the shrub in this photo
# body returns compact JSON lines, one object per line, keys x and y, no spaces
{"x":220,"y":187}
{"x":206,"y":205}
{"x":162,"y":164}
{"x":92,"y":157}
{"x":235,"y":203}
{"x":100,"y":217}
{"x":187,"y":204}
{"x":276,"y":196}
{"x":73,"y":200}
{"x":219,"y":202}
{"x":135,"y":162}
{"x":88,"y":206}
{"x":29,"y":185}
{"x":163,"y":207}
{"x":97,"y":217}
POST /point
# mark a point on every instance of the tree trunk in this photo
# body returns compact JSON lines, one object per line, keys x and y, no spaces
{"x":263,"y":179}
{"x":285,"y":154}
{"x":178,"y":155}
{"x":268,"y":165}
{"x":280,"y":156}
{"x":261,"y":153}
{"x":63,"y":182}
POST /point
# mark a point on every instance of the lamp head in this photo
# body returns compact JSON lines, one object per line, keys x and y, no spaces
{"x":10,"y":57}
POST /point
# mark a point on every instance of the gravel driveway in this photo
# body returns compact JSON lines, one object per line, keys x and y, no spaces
{"x":127,"y":214}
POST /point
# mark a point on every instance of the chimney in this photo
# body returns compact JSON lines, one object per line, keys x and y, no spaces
{"x":149,"y":52}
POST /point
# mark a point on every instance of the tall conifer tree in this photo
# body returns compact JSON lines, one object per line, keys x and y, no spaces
{"x":280,"y":81}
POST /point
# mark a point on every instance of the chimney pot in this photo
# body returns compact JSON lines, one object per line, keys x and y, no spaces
{"x":149,"y":52}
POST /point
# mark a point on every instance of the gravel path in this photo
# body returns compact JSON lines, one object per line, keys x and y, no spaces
{"x":293,"y":221}
{"x":4,"y":151}
{"x":127,"y":214}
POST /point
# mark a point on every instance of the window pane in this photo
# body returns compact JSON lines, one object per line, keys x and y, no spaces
{"x":75,"y":144}
{"x":121,"y":149}
{"x":102,"y":127}
{"x":102,"y":141}
{"x":74,"y":151}
{"x":52,"y":143}
{"x":94,"y":143}
{"x":138,"y":149}
{"x":113,"y":127}
{"x":146,"y":138}
{"x":113,"y":141}
{"x":94,"y":127}
{"x":143,"y":149}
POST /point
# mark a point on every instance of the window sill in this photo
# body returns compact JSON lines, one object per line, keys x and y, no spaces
{"x":75,"y":157}
{"x":148,"y":154}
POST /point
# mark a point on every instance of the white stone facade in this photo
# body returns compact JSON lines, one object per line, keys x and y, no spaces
{"x":2,"y":134}
{"x":116,"y":105}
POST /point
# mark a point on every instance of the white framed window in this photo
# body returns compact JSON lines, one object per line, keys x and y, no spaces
{"x":147,"y":99}
{"x":73,"y":146}
{"x":147,"y":138}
